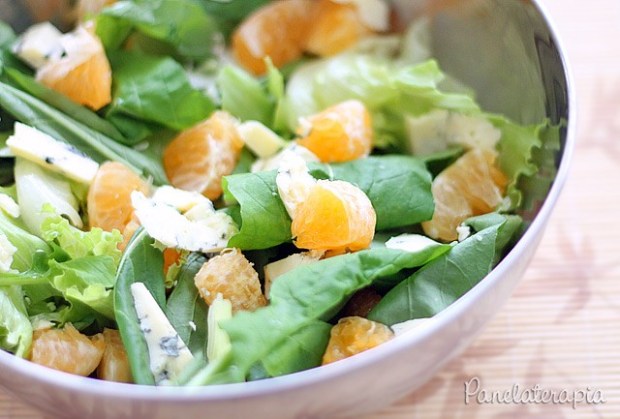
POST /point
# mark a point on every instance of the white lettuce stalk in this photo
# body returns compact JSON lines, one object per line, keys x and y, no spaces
{"x":37,"y":187}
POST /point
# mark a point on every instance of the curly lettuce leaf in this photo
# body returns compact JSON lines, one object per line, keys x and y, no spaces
{"x":15,"y":327}
{"x":389,"y":92}
{"x":515,"y":147}
{"x":77,"y":243}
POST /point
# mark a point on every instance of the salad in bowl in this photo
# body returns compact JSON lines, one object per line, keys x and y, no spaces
{"x":199,"y":193}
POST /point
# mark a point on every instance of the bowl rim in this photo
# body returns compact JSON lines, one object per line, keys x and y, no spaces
{"x":77,"y":384}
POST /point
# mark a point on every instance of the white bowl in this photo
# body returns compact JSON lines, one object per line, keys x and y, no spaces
{"x":508,"y":52}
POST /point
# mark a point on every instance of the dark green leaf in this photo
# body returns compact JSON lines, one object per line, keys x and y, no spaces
{"x":299,"y":298}
{"x":303,"y":350}
{"x":230,"y":12}
{"x":99,"y":147}
{"x":141,"y":262}
{"x":397,"y":186}
{"x":65,"y":105}
{"x":441,"y":282}
{"x":265,"y":222}
{"x":186,"y":306}
{"x":155,"y":89}
{"x":181,"y":23}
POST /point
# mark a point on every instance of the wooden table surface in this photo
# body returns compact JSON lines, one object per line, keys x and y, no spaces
{"x":560,"y":330}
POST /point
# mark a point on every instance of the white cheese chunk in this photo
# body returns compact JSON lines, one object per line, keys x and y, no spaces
{"x":168,"y":354}
{"x":410,"y":242}
{"x":178,"y":198}
{"x":7,"y":250}
{"x":42,"y":149}
{"x":201,"y":228}
{"x":39,"y":44}
{"x":274,"y":162}
{"x":262,"y":141}
{"x":294,"y":182}
{"x":463,"y":231}
{"x":8,"y":205}
{"x":275,"y":269}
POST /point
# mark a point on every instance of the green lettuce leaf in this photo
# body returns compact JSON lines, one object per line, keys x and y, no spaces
{"x":77,"y":243}
{"x":86,"y":281}
{"x":516,"y":146}
{"x":15,"y":327}
{"x":180,"y":24}
{"x":387,"y":91}
{"x":265,"y":222}
{"x":244,"y":96}
{"x":156,"y":90}
{"x":27,"y":244}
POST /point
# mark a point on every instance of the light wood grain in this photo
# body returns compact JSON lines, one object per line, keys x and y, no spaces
{"x":560,"y":328}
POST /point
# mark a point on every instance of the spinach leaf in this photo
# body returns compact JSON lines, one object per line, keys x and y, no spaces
{"x":98,"y":146}
{"x":438,"y":284}
{"x":185,"y":306}
{"x":303,"y":350}
{"x":399,"y":188}
{"x":155,"y":89}
{"x":183,"y":24}
{"x":141,"y":262}
{"x":511,"y":225}
{"x":67,"y":106}
{"x":265,"y":222}
{"x":230,"y":12}
{"x":299,"y":298}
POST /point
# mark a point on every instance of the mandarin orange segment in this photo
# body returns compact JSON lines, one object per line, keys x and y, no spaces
{"x":276,"y":30}
{"x":336,"y":27}
{"x":198,"y":158}
{"x":353,"y":335}
{"x":233,"y":276}
{"x":336,"y":216}
{"x":171,"y":256}
{"x":67,"y":350}
{"x":109,"y":197}
{"x":340,"y":133}
{"x":473,"y":185}
{"x":83,"y":74}
{"x":114,"y":364}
